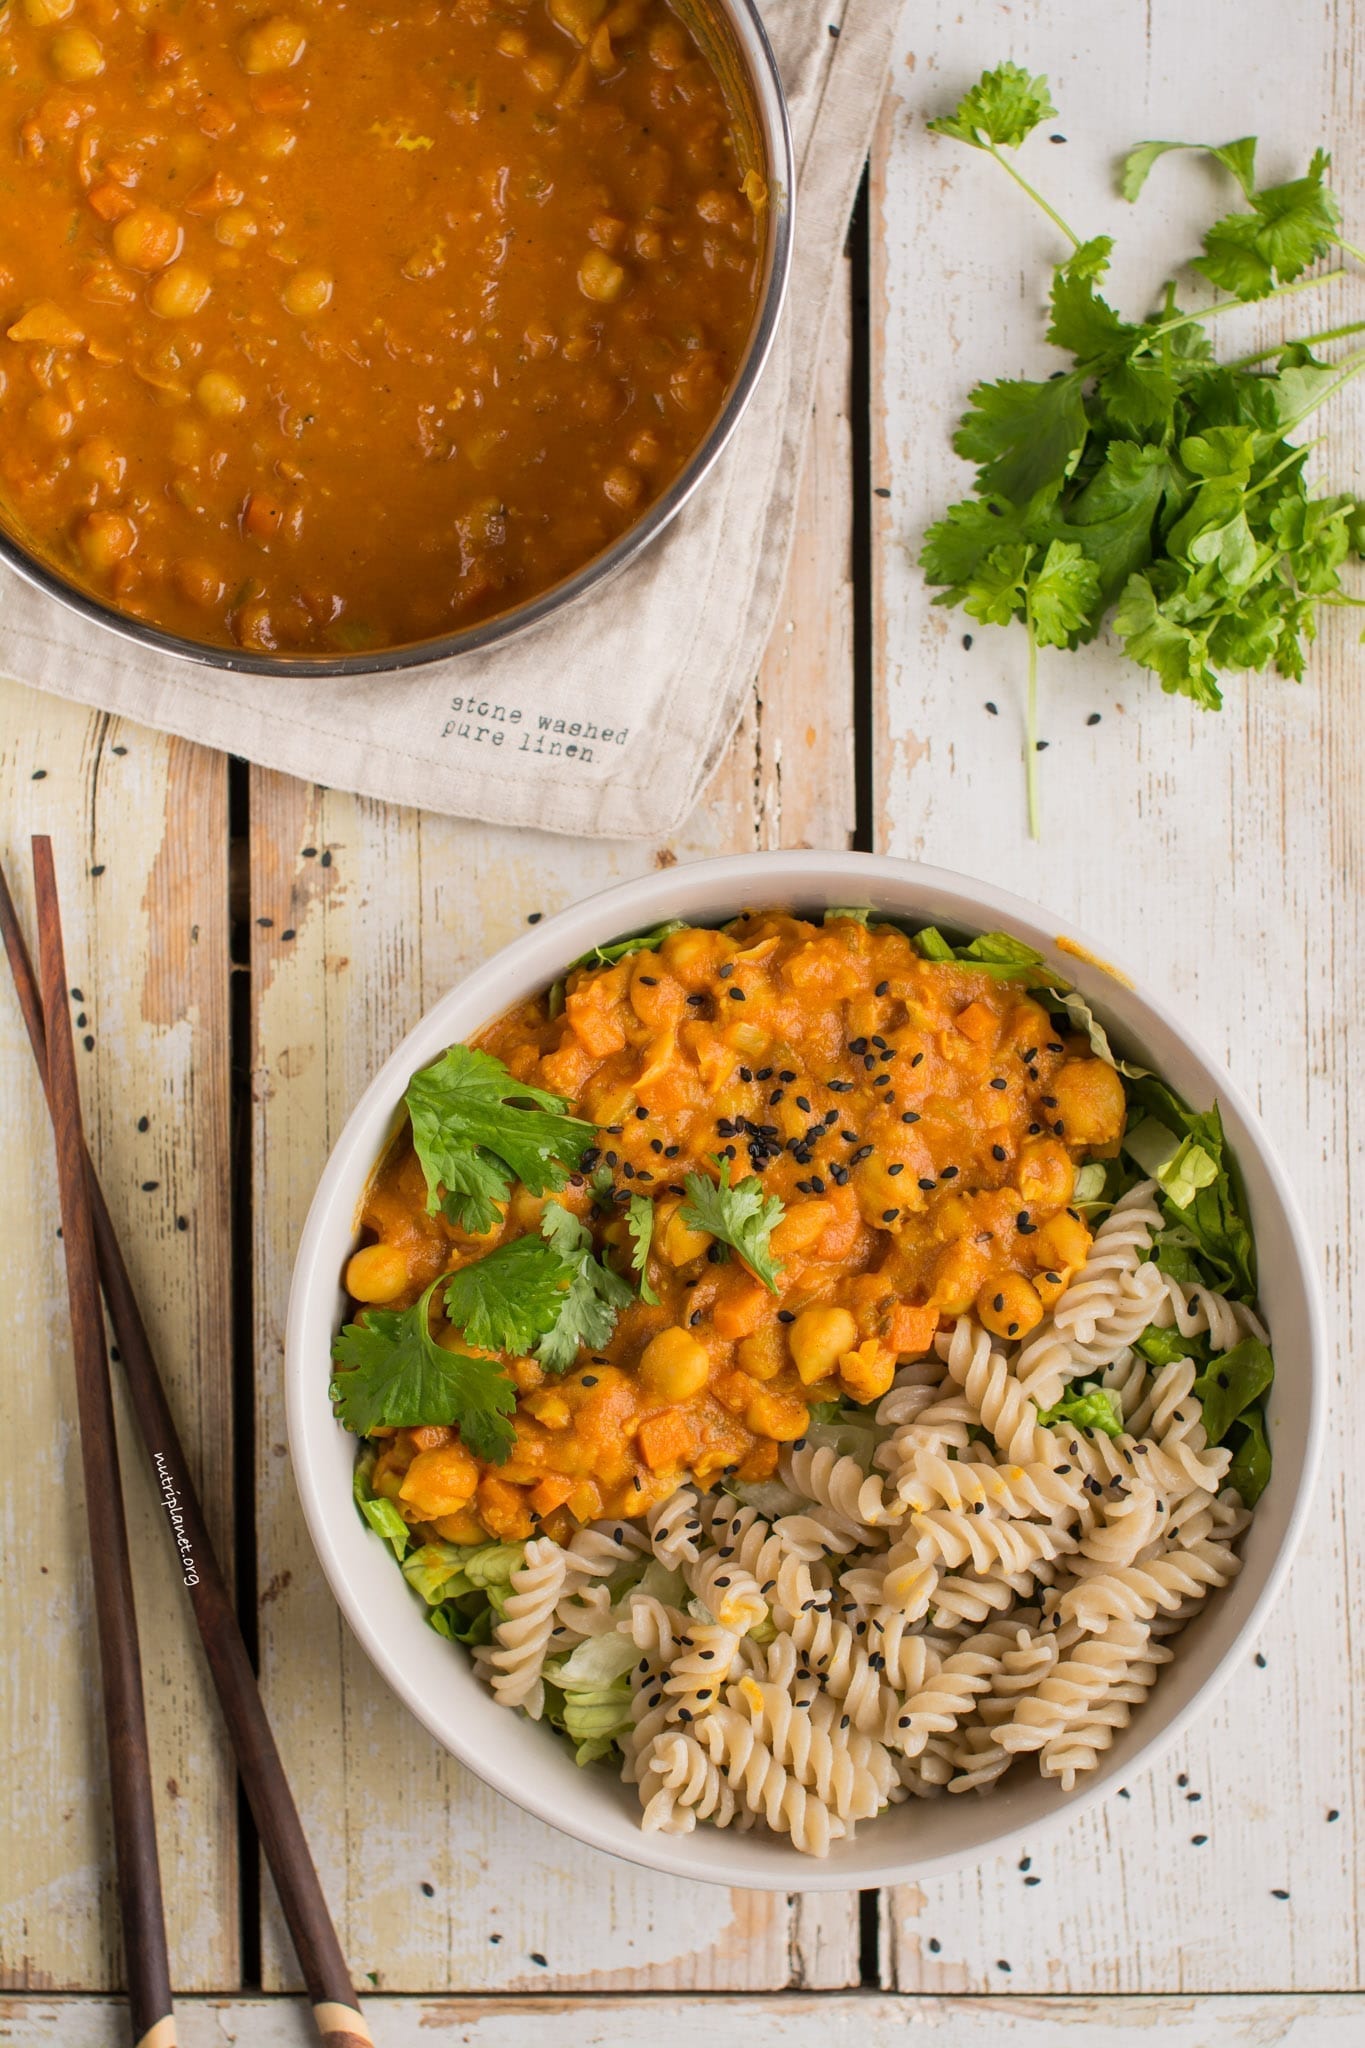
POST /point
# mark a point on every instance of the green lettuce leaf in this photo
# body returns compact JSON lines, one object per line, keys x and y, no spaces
{"x":1249,"y":1471}
{"x":621,"y":949}
{"x":1232,"y":1382}
{"x":381,"y":1514}
{"x":1085,"y":1406}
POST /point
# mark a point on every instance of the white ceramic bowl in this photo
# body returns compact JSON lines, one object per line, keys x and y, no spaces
{"x":527,"y":1762}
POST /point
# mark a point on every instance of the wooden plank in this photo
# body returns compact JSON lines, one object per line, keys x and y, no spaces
{"x":140,"y":828}
{"x":874,"y":2020}
{"x":1222,"y":857}
{"x":435,"y":1881}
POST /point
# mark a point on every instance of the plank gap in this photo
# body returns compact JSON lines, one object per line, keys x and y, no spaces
{"x":242,"y":1335}
{"x":860,"y":535}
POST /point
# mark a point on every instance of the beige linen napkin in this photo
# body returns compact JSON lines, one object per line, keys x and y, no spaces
{"x":611,"y":719}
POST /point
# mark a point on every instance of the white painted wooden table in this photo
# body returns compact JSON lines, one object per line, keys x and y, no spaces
{"x":247,"y":948}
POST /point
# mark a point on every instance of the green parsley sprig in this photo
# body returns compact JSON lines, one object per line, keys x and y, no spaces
{"x":1149,"y":486}
{"x":476,"y":1128}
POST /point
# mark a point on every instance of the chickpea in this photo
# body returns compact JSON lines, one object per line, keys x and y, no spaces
{"x":51,"y":416}
{"x":147,"y":239}
{"x":44,"y":12}
{"x":681,"y":1245}
{"x":235,"y":228}
{"x":600,"y":278}
{"x":377,"y":1272}
{"x":1062,"y":1241}
{"x":958,"y":1273}
{"x":1046,"y":1176}
{"x":623,"y":485}
{"x":674,"y":1365}
{"x":178,"y":292}
{"x":762,"y":1355}
{"x":275,"y":140}
{"x":105,"y":538}
{"x":779,"y":1416}
{"x":1090,"y":1105}
{"x":668,"y":46}
{"x":273,"y":45}
{"x":867,"y":1373}
{"x":200,"y":583}
{"x":220,"y":395}
{"x":100,"y":460}
{"x":802,"y":1224}
{"x":76,"y":55}
{"x":308,"y":292}
{"x":440,"y":1481}
{"x":819,"y":1337}
{"x":189,"y":438}
{"x":1008,"y":1306}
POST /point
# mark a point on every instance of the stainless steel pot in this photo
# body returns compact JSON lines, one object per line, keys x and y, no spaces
{"x":732,"y":36}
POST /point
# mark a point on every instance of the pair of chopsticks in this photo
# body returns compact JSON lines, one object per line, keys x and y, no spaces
{"x":92,"y":1257}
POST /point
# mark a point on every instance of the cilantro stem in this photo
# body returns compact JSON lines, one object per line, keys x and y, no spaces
{"x":1219,"y":306}
{"x":1031,"y":726}
{"x":1034,"y":194}
{"x":1349,"y":248}
{"x":1300,"y":341}
{"x":1338,"y":597}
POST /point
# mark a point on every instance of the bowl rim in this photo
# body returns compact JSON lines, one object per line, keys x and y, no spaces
{"x":623,"y":907}
{"x":773,"y":120}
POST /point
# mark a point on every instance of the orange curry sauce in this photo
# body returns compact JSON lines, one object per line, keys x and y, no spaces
{"x":921,"y":1124}
{"x":355,"y":324}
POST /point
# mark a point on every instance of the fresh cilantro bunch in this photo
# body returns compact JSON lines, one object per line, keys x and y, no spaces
{"x":476,"y":1128}
{"x":1148,"y":485}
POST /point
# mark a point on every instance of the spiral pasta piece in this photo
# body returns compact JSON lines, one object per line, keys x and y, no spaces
{"x":601,"y":1548}
{"x":848,"y":1771}
{"x":838,"y":1484}
{"x":1164,"y":1584}
{"x":988,"y":1542}
{"x":1171,"y":1417}
{"x":522,"y":1637}
{"x":728,"y":1592}
{"x":700,"y":1668}
{"x":675,"y":1528}
{"x":931,"y":1481}
{"x":1200,"y":1311}
{"x":679,"y":1785}
{"x":763,"y":1785}
{"x":1112,"y":1298}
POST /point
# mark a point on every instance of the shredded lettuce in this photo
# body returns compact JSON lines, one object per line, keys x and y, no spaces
{"x":382,"y":1516}
{"x":597,"y":1661}
{"x":769,"y":1496}
{"x":858,"y":915}
{"x":619,"y":949}
{"x":1164,"y":1347}
{"x":1232,"y":1383}
{"x":436,"y":1571}
{"x":1249,"y":1471}
{"x":1082,"y":1018}
{"x":1085,"y":1406}
{"x":1199,"y":1184}
{"x":598,"y":1713}
{"x":1089,"y":1189}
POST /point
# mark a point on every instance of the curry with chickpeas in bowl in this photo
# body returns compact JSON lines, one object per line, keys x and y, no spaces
{"x":780,"y":1349}
{"x":344,"y":328}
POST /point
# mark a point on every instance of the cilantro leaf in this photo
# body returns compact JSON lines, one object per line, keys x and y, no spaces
{"x":510,"y":1298}
{"x":996,"y":593}
{"x":1085,"y":1406}
{"x":1082,"y":321}
{"x":395,"y":1375}
{"x":1025,"y":435}
{"x":1062,"y":593}
{"x":1238,"y":157}
{"x":640,"y":1224}
{"x":1176,"y":653}
{"x":476,"y":1128}
{"x":592,"y":1300}
{"x":956,"y":546}
{"x":1114,"y":517}
{"x":742,"y":1217}
{"x":1288,"y":228}
{"x":1003,"y":107}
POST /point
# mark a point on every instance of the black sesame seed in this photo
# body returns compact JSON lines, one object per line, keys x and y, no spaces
{"x":998,"y":1152}
{"x":428,"y":1890}
{"x":736,"y":995}
{"x":948,"y":1173}
{"x":897,"y":1166}
{"x":910,"y":1116}
{"x":890,"y":1215}
{"x":1033,"y":1880}
{"x":1093,"y":719}
{"x":726,"y":969}
{"x":641,"y":1113}
{"x":1260,"y":1661}
{"x":998,"y":1083}
{"x":786,"y":1075}
{"x":998,"y":1304}
{"x":992,"y":708}
{"x":590,"y":1379}
{"x":927,"y":1186}
{"x":1333,"y":1813}
{"x":1277,"y":1892}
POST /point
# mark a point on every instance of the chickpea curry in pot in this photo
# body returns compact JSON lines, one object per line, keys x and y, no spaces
{"x":345,"y":327}
{"x":714,"y":1179}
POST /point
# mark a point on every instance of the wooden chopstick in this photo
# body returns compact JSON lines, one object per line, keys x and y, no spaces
{"x":125,"y":1720}
{"x":336,"y":2009}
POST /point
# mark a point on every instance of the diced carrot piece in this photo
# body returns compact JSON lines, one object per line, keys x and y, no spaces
{"x":48,"y":323}
{"x":212,"y":196}
{"x":910,"y":1331}
{"x":593,"y":1024}
{"x":740,"y":1305}
{"x":977,"y":1022}
{"x":551,"y":1492}
{"x":110,"y":201}
{"x":262,"y":515}
{"x":664,"y":1439}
